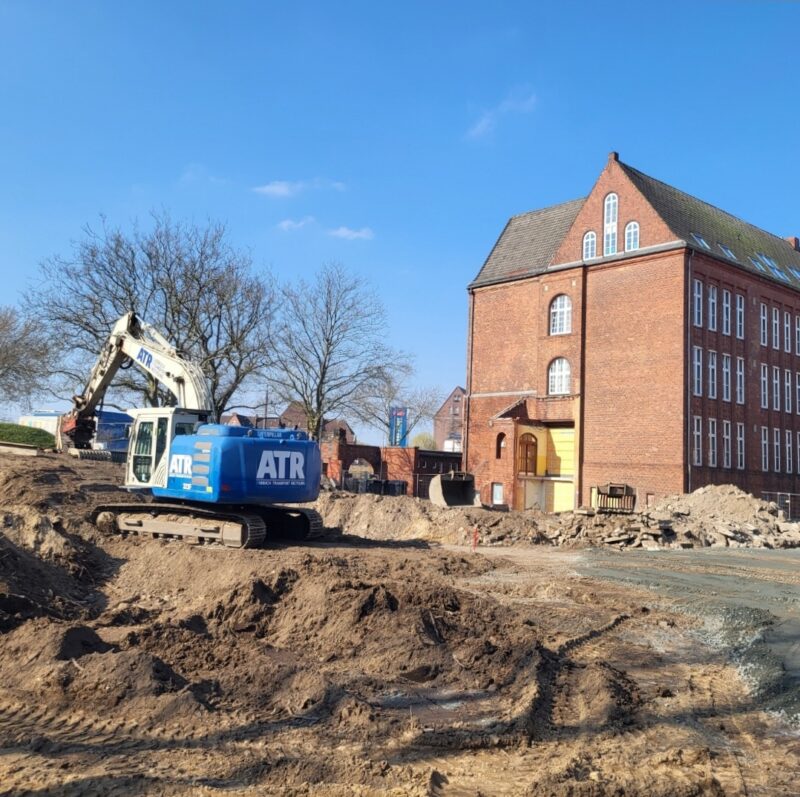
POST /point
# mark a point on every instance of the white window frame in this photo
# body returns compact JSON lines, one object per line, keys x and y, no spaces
{"x":776,"y":328}
{"x":740,"y":317}
{"x":787,"y":391}
{"x":764,"y":325}
{"x":740,"y":446}
{"x":726,"y":377}
{"x":631,"y":236}
{"x":726,"y":312}
{"x":712,"y":308}
{"x":697,"y":440}
{"x":776,"y":450}
{"x":789,"y":449}
{"x":740,"y":380}
{"x":697,"y":297}
{"x":764,"y":386}
{"x":787,"y":332}
{"x":726,"y":444}
{"x":797,"y":394}
{"x":610,"y":216}
{"x":712,"y":442}
{"x":765,"y":449}
{"x":697,"y":371}
{"x":561,"y":315}
{"x":776,"y":388}
{"x":559,"y":375}
{"x":590,"y":245}
{"x":711,"y":389}
{"x":797,"y":335}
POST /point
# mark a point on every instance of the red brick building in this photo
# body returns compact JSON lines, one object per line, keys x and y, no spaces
{"x":448,"y":422}
{"x":638,"y":335}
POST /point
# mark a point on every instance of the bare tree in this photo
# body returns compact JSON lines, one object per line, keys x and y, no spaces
{"x":25,"y":356}
{"x":330,"y":354}
{"x":421,"y":403}
{"x":424,"y":440}
{"x":186,"y":280}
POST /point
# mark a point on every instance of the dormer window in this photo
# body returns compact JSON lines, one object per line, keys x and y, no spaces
{"x":610,"y":212}
{"x":631,"y":236}
{"x":590,"y":245}
{"x":700,"y":240}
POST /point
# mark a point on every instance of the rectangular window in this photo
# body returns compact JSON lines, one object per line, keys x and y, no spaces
{"x":712,"y":308}
{"x":776,"y":388}
{"x":726,"y":377}
{"x":712,"y":442}
{"x":726,"y":444}
{"x":797,"y":335}
{"x":764,"y":330}
{"x":740,"y":380}
{"x":740,"y":446}
{"x":776,"y":328}
{"x":726,"y":312}
{"x":789,"y":448}
{"x":776,"y":461}
{"x":697,"y":361}
{"x":764,"y":386}
{"x":698,"y":303}
{"x":740,"y":318}
{"x":787,"y":332}
{"x":697,"y":440}
{"x":787,"y":390}
{"x":764,"y":449}
{"x":797,"y":393}
{"x":712,"y":374}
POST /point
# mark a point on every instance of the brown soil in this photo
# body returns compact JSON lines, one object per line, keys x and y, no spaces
{"x":373,"y":666}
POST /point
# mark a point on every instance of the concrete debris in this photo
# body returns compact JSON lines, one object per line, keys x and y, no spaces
{"x":713,"y":516}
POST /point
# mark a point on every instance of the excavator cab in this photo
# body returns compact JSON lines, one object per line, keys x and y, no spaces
{"x":152,"y":432}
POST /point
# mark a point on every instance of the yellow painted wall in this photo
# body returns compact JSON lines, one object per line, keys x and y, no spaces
{"x":560,"y":452}
{"x":555,"y":456}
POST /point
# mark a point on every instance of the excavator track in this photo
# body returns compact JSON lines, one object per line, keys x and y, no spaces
{"x":234,"y":527}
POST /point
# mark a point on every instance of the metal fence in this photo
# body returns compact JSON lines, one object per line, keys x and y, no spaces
{"x":788,"y":502}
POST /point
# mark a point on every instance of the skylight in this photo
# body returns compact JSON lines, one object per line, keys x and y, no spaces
{"x":727,"y":252}
{"x":757,"y":263}
{"x":767,"y":260}
{"x":702,"y":241}
{"x":795,"y":272}
{"x":779,"y":273}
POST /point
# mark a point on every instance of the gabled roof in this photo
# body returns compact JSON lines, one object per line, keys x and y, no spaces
{"x":685,"y":214}
{"x":527,"y":244}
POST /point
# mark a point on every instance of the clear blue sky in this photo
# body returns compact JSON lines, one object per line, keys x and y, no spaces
{"x":396,"y":138}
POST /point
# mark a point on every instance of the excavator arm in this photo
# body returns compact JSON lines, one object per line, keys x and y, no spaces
{"x":133,"y":339}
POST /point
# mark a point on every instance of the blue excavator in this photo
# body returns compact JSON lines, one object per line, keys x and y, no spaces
{"x":208,"y":482}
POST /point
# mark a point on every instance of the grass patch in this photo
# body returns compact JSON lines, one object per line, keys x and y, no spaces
{"x":13,"y":433}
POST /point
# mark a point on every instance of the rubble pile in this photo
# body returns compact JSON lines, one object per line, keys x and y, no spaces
{"x":712,"y":516}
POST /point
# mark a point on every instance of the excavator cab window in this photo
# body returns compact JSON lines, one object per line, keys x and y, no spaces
{"x":143,"y":452}
{"x":184,"y":428}
{"x":161,"y":438}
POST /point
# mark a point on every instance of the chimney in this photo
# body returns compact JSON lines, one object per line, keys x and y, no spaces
{"x":794,"y":242}
{"x":613,"y":156}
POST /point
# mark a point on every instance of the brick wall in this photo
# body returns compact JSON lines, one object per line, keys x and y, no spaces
{"x":633,"y":401}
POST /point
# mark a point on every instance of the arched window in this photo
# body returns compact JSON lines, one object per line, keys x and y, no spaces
{"x":526,"y":454}
{"x":631,"y":236}
{"x":500,"y":445}
{"x":610,"y":208}
{"x":558,"y":377}
{"x":561,"y":315}
{"x":590,"y":245}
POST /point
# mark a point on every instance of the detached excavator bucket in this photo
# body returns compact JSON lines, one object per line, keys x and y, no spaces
{"x":453,"y":489}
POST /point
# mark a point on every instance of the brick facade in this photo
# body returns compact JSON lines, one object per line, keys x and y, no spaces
{"x":631,"y":408}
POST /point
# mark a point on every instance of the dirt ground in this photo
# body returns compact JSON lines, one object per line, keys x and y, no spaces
{"x":350,"y":666}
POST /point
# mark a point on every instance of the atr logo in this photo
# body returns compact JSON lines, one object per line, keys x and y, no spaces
{"x":281,"y":465}
{"x":180,"y":465}
{"x":145,"y":358}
